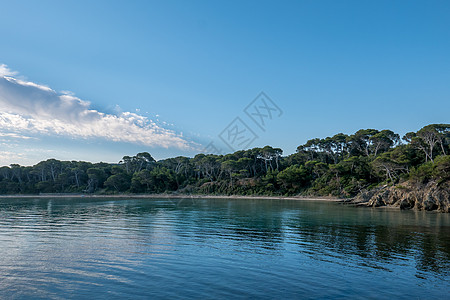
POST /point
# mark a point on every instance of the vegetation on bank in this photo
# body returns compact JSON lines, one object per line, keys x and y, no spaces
{"x":341,"y":165}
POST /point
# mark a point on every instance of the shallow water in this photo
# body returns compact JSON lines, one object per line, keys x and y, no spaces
{"x":209,"y":248}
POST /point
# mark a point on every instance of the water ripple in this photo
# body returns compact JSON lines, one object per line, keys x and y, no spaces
{"x":266,"y":249}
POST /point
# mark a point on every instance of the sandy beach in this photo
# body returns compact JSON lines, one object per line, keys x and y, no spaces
{"x":174,"y":196}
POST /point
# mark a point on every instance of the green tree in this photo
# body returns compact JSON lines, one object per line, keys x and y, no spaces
{"x":119,"y":182}
{"x":294,"y":177}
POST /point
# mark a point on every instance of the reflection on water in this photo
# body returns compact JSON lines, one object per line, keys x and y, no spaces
{"x":195,"y":248}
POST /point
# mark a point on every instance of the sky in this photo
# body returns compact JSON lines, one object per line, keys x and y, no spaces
{"x":97,"y":80}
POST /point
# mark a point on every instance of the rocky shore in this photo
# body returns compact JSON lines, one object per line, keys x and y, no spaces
{"x":429,"y":197}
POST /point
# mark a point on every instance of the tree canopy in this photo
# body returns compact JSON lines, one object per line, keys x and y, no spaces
{"x":341,"y":165}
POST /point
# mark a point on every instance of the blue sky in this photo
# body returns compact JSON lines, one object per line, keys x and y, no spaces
{"x":168,"y":77}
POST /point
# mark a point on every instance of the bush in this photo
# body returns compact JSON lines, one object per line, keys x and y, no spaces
{"x":441,"y":170}
{"x":422,"y":173}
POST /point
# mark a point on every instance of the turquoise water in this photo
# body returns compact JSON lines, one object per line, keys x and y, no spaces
{"x":219,"y":249}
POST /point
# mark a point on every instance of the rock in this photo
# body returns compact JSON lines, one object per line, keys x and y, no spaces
{"x":430,"y":197}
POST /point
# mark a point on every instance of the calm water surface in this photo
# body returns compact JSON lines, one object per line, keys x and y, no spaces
{"x":204,"y":248}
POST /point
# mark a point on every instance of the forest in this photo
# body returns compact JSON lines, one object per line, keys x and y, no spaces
{"x":340,"y":166}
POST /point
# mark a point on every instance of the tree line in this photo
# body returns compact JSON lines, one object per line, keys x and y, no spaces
{"x":342,"y":165}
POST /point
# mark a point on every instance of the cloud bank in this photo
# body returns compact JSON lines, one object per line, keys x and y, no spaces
{"x":27,"y":108}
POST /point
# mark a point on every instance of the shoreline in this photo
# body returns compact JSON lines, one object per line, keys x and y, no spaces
{"x":347,"y":202}
{"x":178,"y":196}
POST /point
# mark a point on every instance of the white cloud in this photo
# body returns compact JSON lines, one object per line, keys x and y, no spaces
{"x":5,"y":71}
{"x":7,"y":156}
{"x":9,"y":135}
{"x":30,"y":108}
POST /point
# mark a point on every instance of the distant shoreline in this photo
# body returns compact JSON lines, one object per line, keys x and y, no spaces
{"x":178,"y":196}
